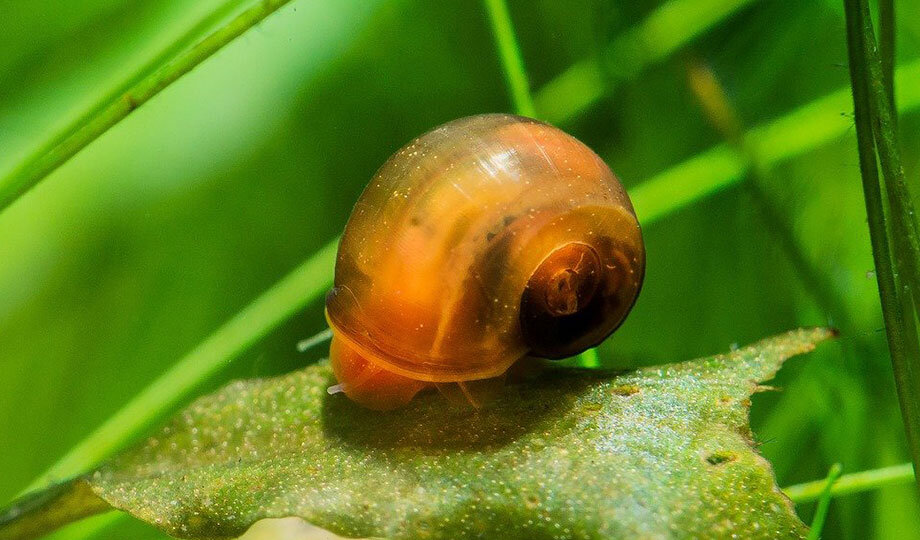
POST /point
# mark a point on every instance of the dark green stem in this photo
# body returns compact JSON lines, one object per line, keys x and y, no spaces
{"x":887,"y":44}
{"x":903,"y":219}
{"x":900,"y":328}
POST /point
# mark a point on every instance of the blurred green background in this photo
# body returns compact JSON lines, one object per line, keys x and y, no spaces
{"x":134,"y":251}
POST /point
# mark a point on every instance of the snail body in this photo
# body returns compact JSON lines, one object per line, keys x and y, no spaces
{"x":485,"y":240}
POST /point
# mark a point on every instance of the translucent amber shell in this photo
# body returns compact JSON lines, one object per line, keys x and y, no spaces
{"x":484,"y":240}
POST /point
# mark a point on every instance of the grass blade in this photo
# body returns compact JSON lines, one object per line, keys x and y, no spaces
{"x":903,"y":217}
{"x":724,"y":117}
{"x":824,"y":503}
{"x":886,"y":44}
{"x":45,"y":511}
{"x":668,"y":28}
{"x":61,"y":148}
{"x":872,"y":117}
{"x":303,"y":285}
{"x":852,"y":483}
{"x":510,"y":54}
{"x":665,"y":30}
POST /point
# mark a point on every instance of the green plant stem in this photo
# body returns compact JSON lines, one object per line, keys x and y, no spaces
{"x":62,"y":147}
{"x":794,"y":134}
{"x":303,"y":285}
{"x":887,"y":45}
{"x":723,"y":116}
{"x":905,"y":230}
{"x":184,"y":41}
{"x":896,"y":309}
{"x":510,"y":54}
{"x":666,"y":29}
{"x":824,"y":502}
{"x":852,"y":483}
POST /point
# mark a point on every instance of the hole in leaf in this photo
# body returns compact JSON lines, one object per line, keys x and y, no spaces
{"x":720,"y":457}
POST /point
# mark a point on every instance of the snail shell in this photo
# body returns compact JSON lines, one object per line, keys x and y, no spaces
{"x":485,"y":240}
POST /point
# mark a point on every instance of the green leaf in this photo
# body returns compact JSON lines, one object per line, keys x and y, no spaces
{"x":648,"y":453}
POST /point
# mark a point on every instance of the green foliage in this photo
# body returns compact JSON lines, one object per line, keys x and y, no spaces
{"x":149,"y":82}
{"x":894,"y":230}
{"x":568,"y":454}
{"x":137,"y":250}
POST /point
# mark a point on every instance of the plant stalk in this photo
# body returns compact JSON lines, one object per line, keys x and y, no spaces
{"x":868,"y":90}
{"x":848,"y":484}
{"x":44,"y":161}
{"x":510,"y":54}
{"x":824,"y":502}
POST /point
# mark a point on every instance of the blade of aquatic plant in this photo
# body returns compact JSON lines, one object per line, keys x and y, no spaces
{"x":188,"y":38}
{"x":824,"y":503}
{"x":897,"y":305}
{"x":847,"y":484}
{"x":303,"y":285}
{"x":794,"y":134}
{"x":98,"y":526}
{"x":613,"y":445}
{"x":668,"y":28}
{"x":887,"y":45}
{"x":510,"y":54}
{"x":723,"y":116}
{"x":851,"y":483}
{"x":61,"y":148}
{"x":905,"y":228}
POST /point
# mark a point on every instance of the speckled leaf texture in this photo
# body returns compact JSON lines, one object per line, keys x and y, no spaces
{"x":662,"y":452}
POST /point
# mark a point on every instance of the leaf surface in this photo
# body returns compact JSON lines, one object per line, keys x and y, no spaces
{"x":657,"y":452}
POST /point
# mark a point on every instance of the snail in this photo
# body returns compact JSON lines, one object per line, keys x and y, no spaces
{"x":484,"y":241}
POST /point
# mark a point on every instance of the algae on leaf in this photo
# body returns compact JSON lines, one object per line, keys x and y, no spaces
{"x":658,"y":452}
